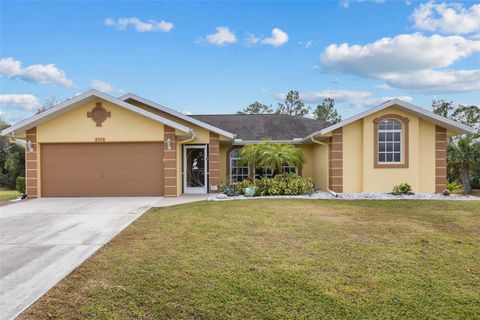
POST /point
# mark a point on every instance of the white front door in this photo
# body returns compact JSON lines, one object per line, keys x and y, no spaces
{"x":195,"y":169}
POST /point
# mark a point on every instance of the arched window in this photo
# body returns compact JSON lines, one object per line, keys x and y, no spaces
{"x":238,"y":172}
{"x":389,"y":142}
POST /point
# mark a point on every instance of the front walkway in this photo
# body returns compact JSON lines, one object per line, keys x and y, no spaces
{"x":43,"y":240}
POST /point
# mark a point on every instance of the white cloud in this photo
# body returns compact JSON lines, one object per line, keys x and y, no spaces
{"x":39,"y":73}
{"x":432,"y":81}
{"x":351,"y":97}
{"x":403,"y":53}
{"x":382,"y":86}
{"x":139,"y":25}
{"x":445,"y":17}
{"x":187,"y":113}
{"x":346,"y":3}
{"x":252,"y":39}
{"x":104,"y":86}
{"x":25,"y":101}
{"x":354,"y":98}
{"x":405,"y":60}
{"x":222,"y":37}
{"x":278,"y":38}
{"x":101,"y":86}
{"x":306,"y":44}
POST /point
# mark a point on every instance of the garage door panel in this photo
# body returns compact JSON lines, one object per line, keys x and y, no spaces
{"x":106,"y":169}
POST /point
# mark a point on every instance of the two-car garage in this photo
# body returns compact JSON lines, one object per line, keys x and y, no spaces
{"x":102,"y":169}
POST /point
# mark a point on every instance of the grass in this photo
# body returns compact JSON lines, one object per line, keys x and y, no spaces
{"x":282,"y":259}
{"x":6,"y":195}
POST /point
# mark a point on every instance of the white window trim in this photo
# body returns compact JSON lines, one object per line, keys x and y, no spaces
{"x":237,"y":158}
{"x":401,"y":130}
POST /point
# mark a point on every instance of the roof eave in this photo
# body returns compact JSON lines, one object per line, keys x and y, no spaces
{"x":46,"y":115}
{"x":447,"y":123}
{"x":177,"y":114}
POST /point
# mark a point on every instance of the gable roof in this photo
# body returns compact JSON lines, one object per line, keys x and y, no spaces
{"x":90,"y":95}
{"x":177,"y":114}
{"x":420,"y":112}
{"x":255,"y":127}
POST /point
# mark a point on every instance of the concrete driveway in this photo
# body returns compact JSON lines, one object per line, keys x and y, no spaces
{"x":43,"y":240}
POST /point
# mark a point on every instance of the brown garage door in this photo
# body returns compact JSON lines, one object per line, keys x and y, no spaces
{"x":102,"y":169}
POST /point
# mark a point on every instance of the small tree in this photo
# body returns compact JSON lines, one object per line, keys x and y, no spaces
{"x":277,"y":155}
{"x":273,"y":156}
{"x":442,"y":108}
{"x":293,"y":105}
{"x":257,"y":108}
{"x":251,"y":154}
{"x":326,"y":111}
{"x":463,"y":156}
{"x":49,"y":103}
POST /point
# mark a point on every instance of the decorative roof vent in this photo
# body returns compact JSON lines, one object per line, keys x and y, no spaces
{"x":99,"y":114}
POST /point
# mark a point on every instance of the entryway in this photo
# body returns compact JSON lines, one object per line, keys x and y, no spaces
{"x":195,"y":169}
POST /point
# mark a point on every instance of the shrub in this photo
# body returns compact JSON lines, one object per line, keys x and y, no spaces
{"x":454,"y":187}
{"x":284,"y":184}
{"x":402,"y":188}
{"x":20,"y":184}
{"x":239,"y":187}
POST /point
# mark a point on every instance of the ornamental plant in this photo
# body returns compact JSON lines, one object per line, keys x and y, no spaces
{"x":402,"y":188}
{"x":272,"y":156}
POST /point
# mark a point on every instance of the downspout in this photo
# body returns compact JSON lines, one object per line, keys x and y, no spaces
{"x":318,"y":142}
{"x":324,"y":144}
{"x":193,"y":137}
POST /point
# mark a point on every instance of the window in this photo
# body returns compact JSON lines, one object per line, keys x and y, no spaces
{"x":289,"y":169}
{"x":237,"y":172}
{"x":260,"y":173}
{"x":389,"y":141}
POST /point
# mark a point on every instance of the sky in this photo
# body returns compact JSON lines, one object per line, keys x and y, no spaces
{"x":218,"y":57}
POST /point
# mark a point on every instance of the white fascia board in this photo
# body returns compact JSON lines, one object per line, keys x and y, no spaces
{"x":69,"y":104}
{"x":177,"y":114}
{"x":422,"y":113}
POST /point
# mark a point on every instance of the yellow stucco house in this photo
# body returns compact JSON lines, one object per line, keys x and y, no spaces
{"x":98,"y":145}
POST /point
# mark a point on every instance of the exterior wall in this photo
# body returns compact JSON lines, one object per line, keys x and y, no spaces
{"x":202,"y":134}
{"x":170,"y":160}
{"x":426,"y":150}
{"x":308,"y":169}
{"x":335,"y":161}
{"x":32,"y":165}
{"x":214,"y":161}
{"x":320,"y":166}
{"x":353,"y":162}
{"x":440,"y":159}
{"x":359,"y":171}
{"x":75,"y":126}
{"x":223,"y":164}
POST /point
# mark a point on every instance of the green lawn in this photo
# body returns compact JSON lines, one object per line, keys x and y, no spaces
{"x":6,"y":195}
{"x":282,"y":259}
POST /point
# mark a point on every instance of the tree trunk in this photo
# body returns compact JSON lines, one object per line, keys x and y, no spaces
{"x":465,"y":175}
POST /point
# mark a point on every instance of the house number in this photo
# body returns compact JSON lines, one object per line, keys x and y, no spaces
{"x":99,"y":139}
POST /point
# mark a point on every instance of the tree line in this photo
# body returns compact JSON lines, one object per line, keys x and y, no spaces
{"x":463,"y":153}
{"x":294,"y":105}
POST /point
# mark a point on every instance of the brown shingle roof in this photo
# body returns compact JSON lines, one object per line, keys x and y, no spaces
{"x":263,"y":126}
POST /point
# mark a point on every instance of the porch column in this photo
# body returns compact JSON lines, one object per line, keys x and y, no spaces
{"x":440,"y":159}
{"x":335,"y":161}
{"x":31,"y":165}
{"x":214,"y":161}
{"x":169,"y":163}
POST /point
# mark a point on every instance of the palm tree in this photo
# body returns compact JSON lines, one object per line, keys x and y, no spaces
{"x":273,"y":156}
{"x":462,"y":156}
{"x":277,"y":155}
{"x":251,"y":154}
